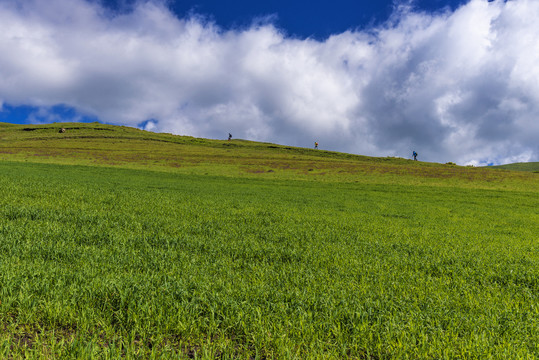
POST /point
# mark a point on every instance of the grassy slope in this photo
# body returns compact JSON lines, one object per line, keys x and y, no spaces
{"x":529,"y":166}
{"x":357,"y":258}
{"x":106,"y":145}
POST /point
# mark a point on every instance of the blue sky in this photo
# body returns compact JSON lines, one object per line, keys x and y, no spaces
{"x":315,"y":18}
{"x":456,"y":80}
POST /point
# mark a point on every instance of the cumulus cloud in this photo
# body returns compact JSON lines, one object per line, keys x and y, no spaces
{"x":458,"y":86}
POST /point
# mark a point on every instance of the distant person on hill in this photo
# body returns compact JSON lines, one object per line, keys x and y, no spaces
{"x":229,"y":136}
{"x":315,"y":145}
{"x":415,"y":155}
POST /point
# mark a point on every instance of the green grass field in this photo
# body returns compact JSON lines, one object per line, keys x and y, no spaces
{"x":123,"y":243}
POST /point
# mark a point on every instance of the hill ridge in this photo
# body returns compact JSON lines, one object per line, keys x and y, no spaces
{"x":97,"y":144}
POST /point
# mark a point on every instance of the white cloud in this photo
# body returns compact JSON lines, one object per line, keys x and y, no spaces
{"x":457,"y":86}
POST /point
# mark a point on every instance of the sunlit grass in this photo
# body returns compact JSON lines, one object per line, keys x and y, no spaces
{"x":116,"y":242}
{"x":114,"y":262}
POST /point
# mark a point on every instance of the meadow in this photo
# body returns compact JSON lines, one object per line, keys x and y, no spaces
{"x":259,"y":251}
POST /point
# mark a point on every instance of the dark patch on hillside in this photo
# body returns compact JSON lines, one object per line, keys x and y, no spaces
{"x":66,"y":128}
{"x":34,"y":129}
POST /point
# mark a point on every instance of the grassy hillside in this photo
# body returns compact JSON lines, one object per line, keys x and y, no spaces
{"x":114,"y":146}
{"x":116,"y":242}
{"x":529,"y":166}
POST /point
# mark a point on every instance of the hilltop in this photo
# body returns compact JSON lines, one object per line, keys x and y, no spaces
{"x":98,"y":144}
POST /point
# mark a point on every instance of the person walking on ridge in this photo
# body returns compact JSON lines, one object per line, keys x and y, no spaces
{"x":315,"y":145}
{"x":415,"y":155}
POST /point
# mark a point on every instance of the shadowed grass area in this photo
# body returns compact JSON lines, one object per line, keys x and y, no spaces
{"x":107,"y":250}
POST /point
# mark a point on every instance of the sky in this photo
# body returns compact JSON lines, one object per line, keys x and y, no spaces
{"x":454,"y":80}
